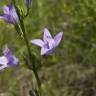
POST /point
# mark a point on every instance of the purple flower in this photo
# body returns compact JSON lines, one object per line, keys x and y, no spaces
{"x":9,"y":14}
{"x":48,"y":44}
{"x":8,"y":59}
{"x":29,"y":3}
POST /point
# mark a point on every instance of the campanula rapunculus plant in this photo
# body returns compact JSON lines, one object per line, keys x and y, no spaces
{"x":9,"y":14}
{"x":8,"y":59}
{"x":48,"y":44}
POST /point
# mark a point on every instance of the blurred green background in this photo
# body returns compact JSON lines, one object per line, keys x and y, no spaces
{"x":72,"y":69}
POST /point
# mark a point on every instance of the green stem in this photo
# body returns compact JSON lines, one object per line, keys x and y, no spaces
{"x":31,"y":56}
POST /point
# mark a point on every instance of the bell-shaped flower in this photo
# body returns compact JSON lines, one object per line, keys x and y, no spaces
{"x":9,"y":14}
{"x":8,"y":59}
{"x":48,"y":44}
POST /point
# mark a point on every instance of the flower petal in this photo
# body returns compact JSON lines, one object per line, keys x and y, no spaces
{"x":13,"y":12}
{"x":47,"y":35}
{"x":7,"y":18}
{"x":6,"y":51}
{"x":37,"y":42}
{"x":3,"y":60}
{"x":44,"y":50}
{"x":2,"y":17}
{"x":3,"y":67}
{"x":51,"y":43}
{"x":5,"y":9}
{"x":12,"y":60}
{"x":58,"y":38}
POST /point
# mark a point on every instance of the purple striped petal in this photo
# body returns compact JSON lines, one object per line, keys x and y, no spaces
{"x":58,"y":38}
{"x":12,"y":60}
{"x":51,"y":43}
{"x":13,"y":12}
{"x":38,"y":42}
{"x":5,"y":9}
{"x":47,"y":35}
{"x":44,"y":50}
{"x":3,"y":60}
{"x":8,"y":18}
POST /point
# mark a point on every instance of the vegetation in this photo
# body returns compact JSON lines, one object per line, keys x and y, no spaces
{"x":71,"y":70}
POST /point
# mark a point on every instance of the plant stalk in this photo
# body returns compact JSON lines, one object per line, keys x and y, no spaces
{"x":31,"y":56}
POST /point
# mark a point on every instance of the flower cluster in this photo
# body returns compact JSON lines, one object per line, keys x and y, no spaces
{"x":11,"y":14}
{"x":48,"y":44}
